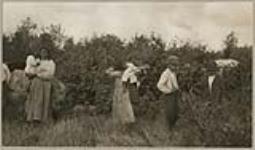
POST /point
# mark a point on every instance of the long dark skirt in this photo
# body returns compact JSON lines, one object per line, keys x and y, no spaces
{"x":38,"y":104}
{"x":171,"y":107}
{"x":133,"y":91}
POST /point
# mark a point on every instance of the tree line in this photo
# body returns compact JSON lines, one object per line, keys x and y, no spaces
{"x":81,"y":67}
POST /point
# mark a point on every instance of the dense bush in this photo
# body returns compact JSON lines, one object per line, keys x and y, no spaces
{"x":81,"y":66}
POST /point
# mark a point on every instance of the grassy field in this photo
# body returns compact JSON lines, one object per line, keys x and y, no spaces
{"x":81,"y":129}
{"x":228,"y":125}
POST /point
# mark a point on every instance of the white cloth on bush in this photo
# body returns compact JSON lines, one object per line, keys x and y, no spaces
{"x":226,"y":63}
{"x":46,"y":69}
{"x":168,"y":82}
{"x":31,"y":64}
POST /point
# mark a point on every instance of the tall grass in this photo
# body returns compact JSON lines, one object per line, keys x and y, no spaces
{"x":84,"y":130}
{"x":202,"y":122}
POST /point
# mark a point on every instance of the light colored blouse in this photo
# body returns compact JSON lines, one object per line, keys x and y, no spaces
{"x":130,"y":74}
{"x":168,"y":82}
{"x":31,"y":64}
{"x":46,"y":69}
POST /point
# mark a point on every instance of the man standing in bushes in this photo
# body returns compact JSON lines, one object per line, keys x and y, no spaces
{"x":168,"y":85}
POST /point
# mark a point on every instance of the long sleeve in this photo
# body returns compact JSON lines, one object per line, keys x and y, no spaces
{"x":115,"y":73}
{"x":162,"y":83}
{"x":31,"y":61}
{"x":47,"y":69}
{"x":136,"y":69}
{"x":31,"y":65}
{"x":126,"y":74}
{"x":130,"y":74}
{"x":168,"y":82}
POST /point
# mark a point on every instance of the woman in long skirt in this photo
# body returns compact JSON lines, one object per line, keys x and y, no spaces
{"x":129,"y":77}
{"x":122,"y":111}
{"x":38,"y":105}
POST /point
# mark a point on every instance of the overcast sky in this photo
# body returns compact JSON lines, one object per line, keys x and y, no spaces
{"x":207,"y":23}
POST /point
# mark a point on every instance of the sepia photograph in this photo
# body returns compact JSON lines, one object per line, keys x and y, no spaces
{"x":132,"y":74}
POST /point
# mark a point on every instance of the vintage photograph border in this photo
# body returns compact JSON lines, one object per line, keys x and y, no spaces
{"x":123,"y":1}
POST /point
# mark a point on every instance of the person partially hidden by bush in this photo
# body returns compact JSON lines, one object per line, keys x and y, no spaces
{"x":223,"y":78}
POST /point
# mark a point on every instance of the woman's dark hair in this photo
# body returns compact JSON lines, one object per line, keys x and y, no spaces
{"x":38,"y":55}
